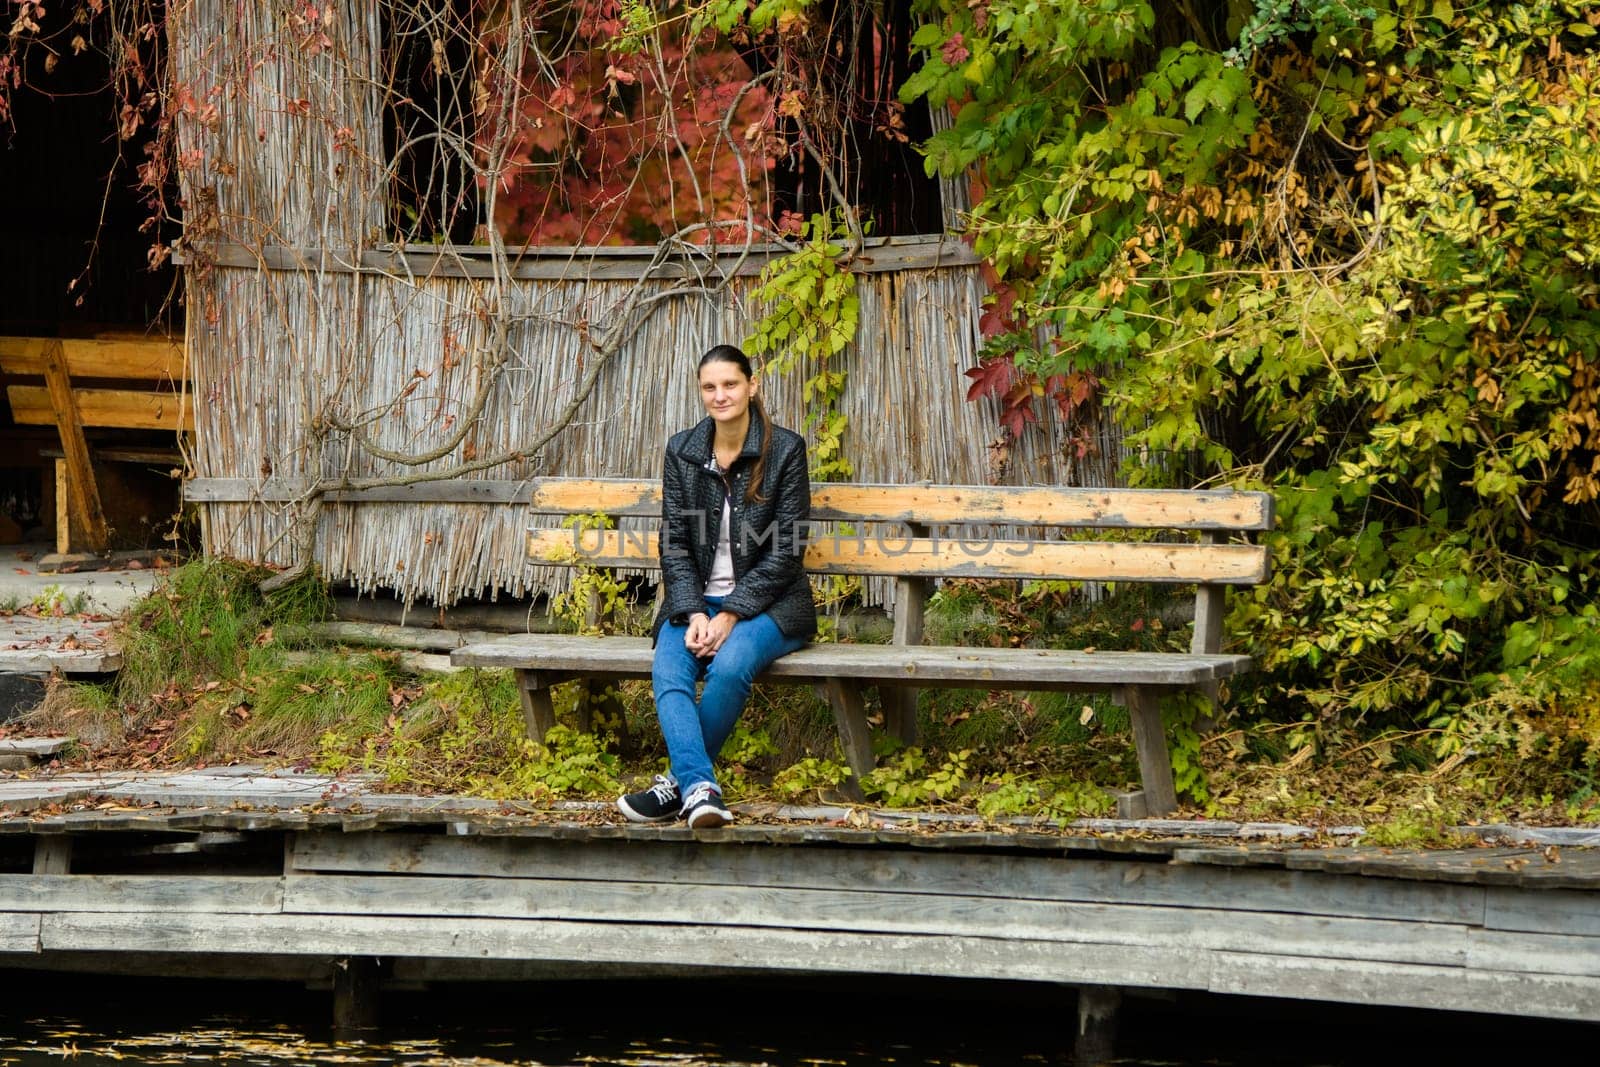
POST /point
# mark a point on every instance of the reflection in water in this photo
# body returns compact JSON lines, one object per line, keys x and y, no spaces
{"x":52,"y":1019}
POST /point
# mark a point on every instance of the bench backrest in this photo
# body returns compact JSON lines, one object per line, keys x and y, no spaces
{"x":143,"y":374}
{"x":917,"y":543}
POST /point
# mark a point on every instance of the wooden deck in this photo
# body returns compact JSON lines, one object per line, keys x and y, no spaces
{"x":241,"y":873}
{"x":74,"y":644}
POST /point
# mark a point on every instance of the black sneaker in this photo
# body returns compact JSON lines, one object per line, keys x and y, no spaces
{"x":702,"y":808}
{"x":660,"y":803}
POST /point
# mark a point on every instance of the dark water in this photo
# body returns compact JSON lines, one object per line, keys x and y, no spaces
{"x":52,"y":1019}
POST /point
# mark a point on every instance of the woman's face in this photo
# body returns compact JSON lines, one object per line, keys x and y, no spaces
{"x":725,"y":391}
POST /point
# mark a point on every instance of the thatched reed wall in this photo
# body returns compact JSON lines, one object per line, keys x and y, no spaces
{"x":298,"y":325}
{"x":288,"y":345}
{"x":280,"y":134}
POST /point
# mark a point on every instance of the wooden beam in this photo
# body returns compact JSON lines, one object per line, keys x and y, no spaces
{"x":83,"y":495}
{"x":152,"y":359}
{"x":587,"y":263}
{"x":892,"y":556}
{"x":126,"y":408}
{"x":63,"y":508}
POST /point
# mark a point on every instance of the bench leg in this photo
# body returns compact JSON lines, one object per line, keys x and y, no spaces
{"x":850,"y":712}
{"x":600,"y":705}
{"x":1150,"y":741}
{"x":538,"y":710}
{"x":900,"y":713}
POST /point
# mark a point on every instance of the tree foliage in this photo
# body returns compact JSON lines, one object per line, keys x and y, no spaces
{"x":1347,"y":254}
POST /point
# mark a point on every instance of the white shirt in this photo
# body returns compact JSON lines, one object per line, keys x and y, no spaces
{"x":720,"y":582}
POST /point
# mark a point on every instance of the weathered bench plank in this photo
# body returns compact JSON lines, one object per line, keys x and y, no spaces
{"x":921,"y":665}
{"x":1165,"y":509}
{"x":890,"y":556}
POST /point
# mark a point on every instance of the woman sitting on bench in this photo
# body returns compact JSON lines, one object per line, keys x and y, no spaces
{"x":735,"y":495}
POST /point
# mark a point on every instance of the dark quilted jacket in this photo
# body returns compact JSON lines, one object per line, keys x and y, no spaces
{"x":767,"y":535}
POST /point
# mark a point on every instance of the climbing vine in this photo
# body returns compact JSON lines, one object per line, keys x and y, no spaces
{"x":812,"y":310}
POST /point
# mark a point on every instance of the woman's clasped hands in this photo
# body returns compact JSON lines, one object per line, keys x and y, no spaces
{"x":706,"y":635}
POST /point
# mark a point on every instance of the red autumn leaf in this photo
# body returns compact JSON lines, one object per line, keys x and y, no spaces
{"x":1017,"y":416}
{"x":991,"y":377}
{"x":997,"y":317}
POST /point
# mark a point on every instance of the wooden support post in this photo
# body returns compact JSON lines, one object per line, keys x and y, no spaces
{"x":850,"y":712}
{"x":538,"y":710}
{"x":356,"y":984}
{"x":83,"y":496}
{"x":63,"y":509}
{"x":52,"y":854}
{"x":1097,"y":1025}
{"x":1150,"y":742}
{"x":1210,"y":605}
{"x":910,"y":603}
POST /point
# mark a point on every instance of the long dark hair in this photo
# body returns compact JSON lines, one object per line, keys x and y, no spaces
{"x":734,"y":355}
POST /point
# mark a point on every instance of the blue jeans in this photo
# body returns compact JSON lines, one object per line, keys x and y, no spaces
{"x":695,"y":730}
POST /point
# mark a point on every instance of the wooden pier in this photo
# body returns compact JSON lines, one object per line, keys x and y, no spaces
{"x":298,"y":877}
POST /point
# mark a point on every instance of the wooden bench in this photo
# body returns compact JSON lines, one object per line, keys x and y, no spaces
{"x":135,"y":383}
{"x":914,"y":548}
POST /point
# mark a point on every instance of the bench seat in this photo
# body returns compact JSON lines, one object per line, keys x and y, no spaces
{"x":568,"y":656}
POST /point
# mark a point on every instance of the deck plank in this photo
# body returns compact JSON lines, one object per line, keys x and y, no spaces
{"x":133,"y":893}
{"x":19,"y":932}
{"x":841,"y":910}
{"x":1408,"y":985}
{"x":1549,"y":909}
{"x":1170,"y":966}
{"x":898,"y":872}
